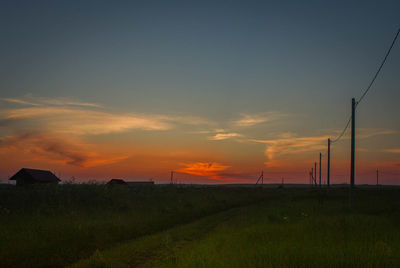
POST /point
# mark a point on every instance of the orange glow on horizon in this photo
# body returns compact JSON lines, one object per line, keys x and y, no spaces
{"x":84,"y":140}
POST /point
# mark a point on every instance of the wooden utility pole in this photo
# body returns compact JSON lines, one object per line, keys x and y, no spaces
{"x":261,"y":178}
{"x":315,"y":173}
{"x":320,"y":170}
{"x":172,"y":177}
{"x":312,"y":176}
{"x":328,"y":178}
{"x":353,"y":140}
{"x":377,"y":177}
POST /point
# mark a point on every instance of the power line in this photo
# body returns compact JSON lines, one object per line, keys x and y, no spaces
{"x":370,"y":84}
{"x":344,"y":130}
{"x":380,"y":68}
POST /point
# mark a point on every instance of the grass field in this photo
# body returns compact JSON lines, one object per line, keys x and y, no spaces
{"x":55,"y":226}
{"x":95,"y":226}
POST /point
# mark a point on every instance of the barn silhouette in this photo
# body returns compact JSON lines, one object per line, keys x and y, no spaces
{"x":28,"y":176}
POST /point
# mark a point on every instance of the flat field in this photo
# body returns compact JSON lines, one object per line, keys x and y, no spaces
{"x":161,"y":226}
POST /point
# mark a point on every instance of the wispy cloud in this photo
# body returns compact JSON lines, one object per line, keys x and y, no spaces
{"x":30,"y":100}
{"x":53,"y":129}
{"x":224,"y":136}
{"x":67,"y":102}
{"x":288,"y":143}
{"x":83,"y":121}
{"x":365,"y":133}
{"x":79,"y":121}
{"x":54,"y":149}
{"x":209,"y":131}
{"x":186,"y":120}
{"x":394,"y":151}
{"x":19,"y":101}
{"x":248,"y":120}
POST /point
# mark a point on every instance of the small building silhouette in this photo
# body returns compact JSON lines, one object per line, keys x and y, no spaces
{"x":27,"y":176}
{"x":116,"y":182}
{"x":129,"y":183}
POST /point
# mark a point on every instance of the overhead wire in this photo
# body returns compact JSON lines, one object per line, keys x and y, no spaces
{"x":380,"y":68}
{"x":344,"y":131}
{"x":370,"y":84}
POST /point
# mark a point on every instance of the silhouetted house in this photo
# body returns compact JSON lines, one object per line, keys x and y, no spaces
{"x":116,"y":182}
{"x":129,"y":183}
{"x":27,"y":176}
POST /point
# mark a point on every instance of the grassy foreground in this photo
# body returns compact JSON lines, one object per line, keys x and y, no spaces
{"x":96,"y":226}
{"x":55,"y":226}
{"x":290,"y":228}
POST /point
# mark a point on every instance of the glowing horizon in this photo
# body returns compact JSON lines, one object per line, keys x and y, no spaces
{"x":79,"y":140}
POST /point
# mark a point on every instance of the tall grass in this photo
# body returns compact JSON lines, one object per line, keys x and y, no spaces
{"x":98,"y":226}
{"x":301,"y":231}
{"x":53,"y":226}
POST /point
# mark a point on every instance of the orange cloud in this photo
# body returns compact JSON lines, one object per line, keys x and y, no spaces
{"x":204,"y":169}
{"x":289,"y":144}
{"x":82,"y":121}
{"x":53,"y":149}
{"x":394,"y":151}
{"x":54,"y":130}
{"x":78,"y":121}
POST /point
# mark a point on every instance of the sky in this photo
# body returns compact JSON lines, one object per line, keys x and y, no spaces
{"x":216,"y":91}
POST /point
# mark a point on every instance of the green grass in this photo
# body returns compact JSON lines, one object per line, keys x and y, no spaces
{"x":94,"y":226}
{"x":299,"y":232}
{"x":289,"y":228}
{"x":146,"y":250}
{"x":56,"y":226}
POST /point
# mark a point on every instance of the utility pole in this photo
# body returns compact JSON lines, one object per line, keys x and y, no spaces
{"x":312,"y":176}
{"x":315,"y":173}
{"x":377,"y":177}
{"x":172,"y":177}
{"x":328,"y":179}
{"x":320,"y":169}
{"x":353,"y":140}
{"x":261,"y":178}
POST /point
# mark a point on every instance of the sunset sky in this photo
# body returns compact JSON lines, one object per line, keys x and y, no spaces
{"x":214,"y":90}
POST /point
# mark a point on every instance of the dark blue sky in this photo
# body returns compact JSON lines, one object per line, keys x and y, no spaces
{"x":251,"y":50}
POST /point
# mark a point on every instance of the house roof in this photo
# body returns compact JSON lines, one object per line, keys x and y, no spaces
{"x":116,"y":181}
{"x":37,"y":175}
